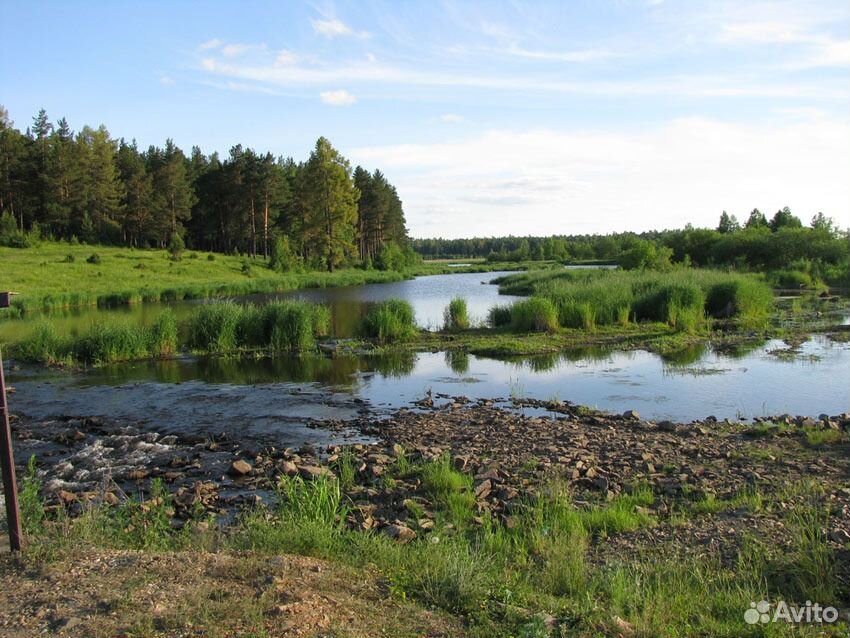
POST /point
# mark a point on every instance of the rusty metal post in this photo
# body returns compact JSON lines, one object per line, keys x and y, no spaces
{"x":10,"y":487}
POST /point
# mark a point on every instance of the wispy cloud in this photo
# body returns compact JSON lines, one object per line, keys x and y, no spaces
{"x":333,"y":27}
{"x":166,"y":80}
{"x":581,"y":55}
{"x":340,"y":97}
{"x":452,"y":118}
{"x":266,"y":71}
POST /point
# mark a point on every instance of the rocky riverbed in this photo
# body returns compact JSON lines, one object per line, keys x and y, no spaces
{"x":509,"y":449}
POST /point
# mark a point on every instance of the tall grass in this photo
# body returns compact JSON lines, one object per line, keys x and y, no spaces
{"x":389,"y":321}
{"x":537,"y":314}
{"x":213,"y":328}
{"x":456,"y":315}
{"x":681,"y":298}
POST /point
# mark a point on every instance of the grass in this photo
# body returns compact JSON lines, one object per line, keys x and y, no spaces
{"x":218,"y":328}
{"x":537,"y":314}
{"x":57,"y":275}
{"x":683,"y":298}
{"x":389,"y":321}
{"x":456,"y":315}
{"x":501,"y":579}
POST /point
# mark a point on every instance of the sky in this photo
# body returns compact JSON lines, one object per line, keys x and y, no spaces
{"x":491,"y":118}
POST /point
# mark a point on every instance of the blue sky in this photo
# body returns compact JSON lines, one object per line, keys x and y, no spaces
{"x":491,"y":118}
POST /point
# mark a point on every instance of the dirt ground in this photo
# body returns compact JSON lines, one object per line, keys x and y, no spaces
{"x":181,"y":595}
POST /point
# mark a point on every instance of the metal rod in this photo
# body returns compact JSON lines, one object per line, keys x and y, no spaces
{"x":7,"y":459}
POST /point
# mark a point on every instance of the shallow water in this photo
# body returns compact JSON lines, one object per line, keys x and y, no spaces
{"x":276,"y":399}
{"x":429,"y":296}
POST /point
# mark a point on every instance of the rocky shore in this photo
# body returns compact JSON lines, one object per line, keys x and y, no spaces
{"x":508,"y":449}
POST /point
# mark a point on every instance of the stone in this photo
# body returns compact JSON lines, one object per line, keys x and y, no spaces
{"x":240,"y":468}
{"x":66,"y":497}
{"x":632,"y":415}
{"x":483,"y":489}
{"x":397,"y":450}
{"x":839,"y":536}
{"x":399,"y":533}
{"x":314,"y":471}
{"x":288,"y":468}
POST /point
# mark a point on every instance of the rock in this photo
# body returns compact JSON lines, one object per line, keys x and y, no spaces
{"x":632,"y":415}
{"x":399,"y":533}
{"x":240,"y":468}
{"x":137,"y":475}
{"x":666,"y":426}
{"x":66,"y":497}
{"x":839,"y":536}
{"x":483,"y":489}
{"x":288,"y":468}
{"x":311,"y":472}
{"x":110,"y":498}
{"x":397,"y":450}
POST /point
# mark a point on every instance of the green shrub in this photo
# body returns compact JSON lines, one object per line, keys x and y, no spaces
{"x":537,"y":314}
{"x":456,"y":315}
{"x":389,"y":321}
{"x":176,"y":246}
{"x":94,"y":258}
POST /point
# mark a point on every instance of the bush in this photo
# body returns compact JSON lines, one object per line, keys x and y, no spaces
{"x":176,"y":246}
{"x":536,"y":314}
{"x":282,"y":257}
{"x":210,"y":257}
{"x":456,"y":316}
{"x":69,"y":259}
{"x":94,"y":258}
{"x":389,"y":321}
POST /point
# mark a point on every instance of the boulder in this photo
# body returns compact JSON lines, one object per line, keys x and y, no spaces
{"x":240,"y":468}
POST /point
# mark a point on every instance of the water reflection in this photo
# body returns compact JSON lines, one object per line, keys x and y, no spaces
{"x":689,"y":384}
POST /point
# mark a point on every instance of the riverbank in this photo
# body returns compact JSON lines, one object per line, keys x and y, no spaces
{"x":508,"y":516}
{"x":54,"y":276}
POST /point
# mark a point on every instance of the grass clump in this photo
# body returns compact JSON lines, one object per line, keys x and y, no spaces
{"x":456,"y":315}
{"x":213,"y":328}
{"x":389,"y":321}
{"x":499,"y":316}
{"x":537,"y":314}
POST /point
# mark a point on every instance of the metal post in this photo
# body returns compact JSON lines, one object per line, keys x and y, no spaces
{"x":10,"y":487}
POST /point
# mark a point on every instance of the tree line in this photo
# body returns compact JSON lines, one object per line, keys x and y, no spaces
{"x":781,"y":242}
{"x":89,"y":187}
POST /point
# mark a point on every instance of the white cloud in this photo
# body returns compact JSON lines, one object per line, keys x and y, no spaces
{"x":582,"y":55}
{"x":688,"y":170}
{"x":236,"y":49}
{"x":332,"y":28}
{"x":452,"y":118}
{"x":340,"y":97}
{"x":285,"y":58}
{"x":166,"y":80}
{"x":210,"y":44}
{"x":266,"y":71}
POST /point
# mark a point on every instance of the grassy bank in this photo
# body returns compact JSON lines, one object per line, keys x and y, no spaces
{"x":534,"y":577}
{"x":58,"y":275}
{"x":215,"y":328}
